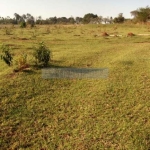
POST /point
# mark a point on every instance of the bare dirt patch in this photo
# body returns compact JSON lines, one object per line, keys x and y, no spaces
{"x":21,"y":68}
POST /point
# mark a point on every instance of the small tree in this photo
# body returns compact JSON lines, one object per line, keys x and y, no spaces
{"x":42,"y":54}
{"x":6,"y":55}
{"x":119,"y":19}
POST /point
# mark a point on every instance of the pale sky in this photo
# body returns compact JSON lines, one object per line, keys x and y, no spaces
{"x":68,"y":8}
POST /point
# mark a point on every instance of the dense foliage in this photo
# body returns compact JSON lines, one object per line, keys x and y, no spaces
{"x":141,"y":14}
{"x":23,"y":24}
{"x":87,"y":17}
{"x":119,"y":19}
{"x":6,"y":55}
{"x":42,"y":54}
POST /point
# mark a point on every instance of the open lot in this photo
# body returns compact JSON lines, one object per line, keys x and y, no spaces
{"x":77,"y":114}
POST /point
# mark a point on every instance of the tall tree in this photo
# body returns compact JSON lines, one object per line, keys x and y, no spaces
{"x":30,"y":19}
{"x":17,"y":17}
{"x":24,"y":17}
{"x":78,"y":20}
{"x":119,"y":19}
{"x":87,"y":17}
{"x":141,"y":14}
{"x":53,"y":20}
{"x":134,"y":13}
{"x":71,"y":20}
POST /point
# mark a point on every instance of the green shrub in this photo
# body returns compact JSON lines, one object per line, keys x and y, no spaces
{"x":42,"y":54}
{"x":6,"y":55}
{"x":23,"y":24}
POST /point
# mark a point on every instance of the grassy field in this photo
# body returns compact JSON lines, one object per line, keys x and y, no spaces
{"x":77,"y":114}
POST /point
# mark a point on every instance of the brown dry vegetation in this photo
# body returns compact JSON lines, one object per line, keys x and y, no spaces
{"x":105,"y":34}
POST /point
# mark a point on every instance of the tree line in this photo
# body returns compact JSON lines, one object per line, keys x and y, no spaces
{"x":88,"y":18}
{"x":139,"y":15}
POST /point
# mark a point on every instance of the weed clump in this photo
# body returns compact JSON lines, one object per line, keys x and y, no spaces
{"x":48,"y":30}
{"x":7,"y":31}
{"x":21,"y":63}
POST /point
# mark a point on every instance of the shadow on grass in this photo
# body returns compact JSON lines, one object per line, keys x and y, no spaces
{"x":129,"y":62}
{"x":53,"y":64}
{"x":28,"y":71}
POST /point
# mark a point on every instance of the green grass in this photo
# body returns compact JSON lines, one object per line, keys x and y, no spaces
{"x":75,"y":114}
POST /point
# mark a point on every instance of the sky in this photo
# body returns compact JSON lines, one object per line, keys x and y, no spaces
{"x":70,"y":8}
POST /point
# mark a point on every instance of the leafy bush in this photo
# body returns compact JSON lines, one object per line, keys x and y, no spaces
{"x":42,"y":54}
{"x":23,"y":24}
{"x":6,"y":55}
